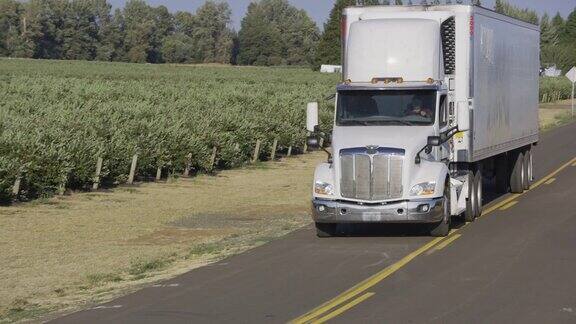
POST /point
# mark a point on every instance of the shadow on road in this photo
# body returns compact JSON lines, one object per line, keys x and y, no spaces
{"x":403,"y":230}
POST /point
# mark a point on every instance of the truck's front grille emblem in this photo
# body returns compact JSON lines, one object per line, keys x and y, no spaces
{"x":371,"y":173}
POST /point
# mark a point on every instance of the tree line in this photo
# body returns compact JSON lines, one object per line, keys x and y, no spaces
{"x":273,"y":32}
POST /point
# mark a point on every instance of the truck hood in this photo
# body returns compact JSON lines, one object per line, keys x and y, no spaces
{"x":409,"y":138}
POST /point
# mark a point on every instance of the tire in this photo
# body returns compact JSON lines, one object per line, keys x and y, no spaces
{"x":471,"y":203}
{"x":527,"y":169}
{"x":517,"y":176}
{"x":479,"y":192}
{"x":326,"y":229}
{"x":443,"y":228}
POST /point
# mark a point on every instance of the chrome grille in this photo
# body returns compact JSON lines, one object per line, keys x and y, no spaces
{"x":374,"y":174}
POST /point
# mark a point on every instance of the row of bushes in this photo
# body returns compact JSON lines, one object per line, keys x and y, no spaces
{"x":59,"y":117}
{"x":555,"y":89}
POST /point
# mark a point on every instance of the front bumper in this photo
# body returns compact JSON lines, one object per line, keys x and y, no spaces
{"x":331,"y":211}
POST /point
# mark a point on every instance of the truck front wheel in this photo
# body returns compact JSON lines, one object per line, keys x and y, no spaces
{"x":326,"y":229}
{"x":443,"y":228}
{"x":471,"y":203}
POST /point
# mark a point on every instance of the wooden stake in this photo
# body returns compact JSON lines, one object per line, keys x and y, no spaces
{"x":188,"y":165}
{"x":159,"y":173}
{"x":213,"y":157}
{"x":16,"y":187}
{"x":96,"y":183}
{"x":289,"y":150}
{"x":274,"y":145}
{"x":321,"y":143}
{"x":305,"y":146}
{"x":256,"y":152}
{"x":133,"y":169}
{"x":62,"y":186}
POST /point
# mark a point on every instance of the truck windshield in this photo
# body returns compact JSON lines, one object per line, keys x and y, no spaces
{"x":386,"y":107}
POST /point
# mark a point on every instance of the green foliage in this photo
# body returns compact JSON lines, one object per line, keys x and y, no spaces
{"x":527,"y":15}
{"x":57,"y":118}
{"x":276,"y":33}
{"x":210,"y":35}
{"x":554,"y":89}
{"x":87,"y":30}
{"x":568,"y":34}
{"x":177,"y":48}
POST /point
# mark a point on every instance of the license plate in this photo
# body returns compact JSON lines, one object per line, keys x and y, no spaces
{"x":371,"y":216}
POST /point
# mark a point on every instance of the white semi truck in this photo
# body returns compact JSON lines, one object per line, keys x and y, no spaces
{"x":434,"y":100}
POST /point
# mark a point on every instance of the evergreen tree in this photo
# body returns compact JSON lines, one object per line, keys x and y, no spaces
{"x":548,"y":33}
{"x":526,"y":15}
{"x":398,"y":2}
{"x":139,"y":27}
{"x":10,"y":12}
{"x":177,"y":48}
{"x":259,"y":41}
{"x":211,"y":37}
{"x":568,"y":32}
{"x":79,"y":31}
{"x":111,"y":35}
{"x":329,"y":46}
{"x":558,"y":22}
{"x":274,"y":32}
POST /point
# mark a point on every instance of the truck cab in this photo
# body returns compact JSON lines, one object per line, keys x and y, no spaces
{"x":405,"y":126}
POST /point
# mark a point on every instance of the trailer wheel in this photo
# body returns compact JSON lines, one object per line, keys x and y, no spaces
{"x":478,"y":189}
{"x":326,"y":229}
{"x":518,"y":174}
{"x":471,"y":202}
{"x":443,"y":228}
{"x":527,"y":169}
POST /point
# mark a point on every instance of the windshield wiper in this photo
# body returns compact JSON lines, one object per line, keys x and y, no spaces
{"x":375,"y":120}
{"x":399,"y":121}
{"x":354,"y":122}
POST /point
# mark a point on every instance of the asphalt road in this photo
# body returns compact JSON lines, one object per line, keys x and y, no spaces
{"x":515,"y":264}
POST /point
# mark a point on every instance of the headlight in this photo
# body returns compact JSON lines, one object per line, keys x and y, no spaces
{"x":423,"y":189}
{"x":323,"y":188}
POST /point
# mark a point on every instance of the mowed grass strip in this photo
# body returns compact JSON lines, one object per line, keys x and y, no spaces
{"x":61,"y":252}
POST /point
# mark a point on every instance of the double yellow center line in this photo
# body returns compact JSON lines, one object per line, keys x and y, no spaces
{"x":358,"y":293}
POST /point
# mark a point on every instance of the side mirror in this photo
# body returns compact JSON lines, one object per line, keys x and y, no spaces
{"x":312,"y":142}
{"x":434,"y":140}
{"x":312,"y":116}
{"x":463,"y":115}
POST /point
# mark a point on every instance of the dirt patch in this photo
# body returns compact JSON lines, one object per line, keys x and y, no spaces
{"x":173,"y":235}
{"x":65,"y":252}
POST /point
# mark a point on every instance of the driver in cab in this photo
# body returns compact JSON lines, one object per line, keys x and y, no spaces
{"x":416,"y":108}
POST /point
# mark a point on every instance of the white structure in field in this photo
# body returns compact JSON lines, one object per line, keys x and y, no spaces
{"x":552,"y":71}
{"x":326,"y":68}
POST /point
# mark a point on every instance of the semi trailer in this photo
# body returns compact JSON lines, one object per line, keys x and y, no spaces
{"x":434,"y":102}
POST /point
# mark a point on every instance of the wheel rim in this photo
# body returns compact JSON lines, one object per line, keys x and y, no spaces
{"x":523,"y":172}
{"x":473,"y":198}
{"x":479,"y":196}
{"x":530,"y":168}
{"x":447,"y":204}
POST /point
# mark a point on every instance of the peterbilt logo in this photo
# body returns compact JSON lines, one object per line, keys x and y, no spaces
{"x":372,"y":149}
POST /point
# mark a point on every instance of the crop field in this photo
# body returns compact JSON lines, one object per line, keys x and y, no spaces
{"x":58,"y":117}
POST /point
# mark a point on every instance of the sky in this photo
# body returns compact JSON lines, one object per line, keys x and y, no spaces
{"x":319,"y":10}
